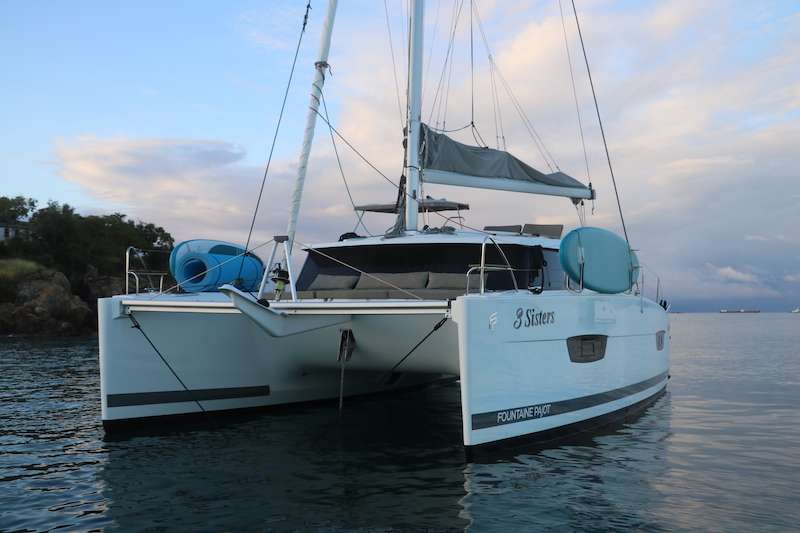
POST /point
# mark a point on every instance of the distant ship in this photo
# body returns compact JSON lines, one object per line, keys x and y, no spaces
{"x":796,"y":311}
{"x":745,"y":311}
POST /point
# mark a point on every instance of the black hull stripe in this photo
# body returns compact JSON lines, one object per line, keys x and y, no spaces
{"x":150,"y":398}
{"x":543,"y":410}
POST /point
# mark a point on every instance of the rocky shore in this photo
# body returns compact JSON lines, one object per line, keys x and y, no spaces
{"x":39,"y":301}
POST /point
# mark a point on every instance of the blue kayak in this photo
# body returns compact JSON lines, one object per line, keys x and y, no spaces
{"x":202,"y":265}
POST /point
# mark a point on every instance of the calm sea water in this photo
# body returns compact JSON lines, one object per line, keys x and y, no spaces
{"x":719,"y":452}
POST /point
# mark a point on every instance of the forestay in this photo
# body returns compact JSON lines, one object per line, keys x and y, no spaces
{"x":449,"y":162}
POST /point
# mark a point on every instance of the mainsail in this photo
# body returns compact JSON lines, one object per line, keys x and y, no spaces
{"x":449,"y":162}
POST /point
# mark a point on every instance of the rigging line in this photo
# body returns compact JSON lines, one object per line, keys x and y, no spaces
{"x":475,"y":133}
{"x":574,"y":91}
{"x":275,"y":136}
{"x":525,"y":122}
{"x":492,"y":74}
{"x":353,"y":148}
{"x":477,"y":136}
{"x":136,"y":325}
{"x":465,"y":126}
{"x":406,"y":356}
{"x":385,"y":177}
{"x":394,"y":64}
{"x":600,"y":122}
{"x":457,"y":7}
{"x":401,"y":191}
{"x":493,"y":95}
{"x":341,"y":170}
{"x":538,"y":142}
{"x":449,"y":84}
{"x":499,"y":107}
{"x":438,"y":85}
{"x":537,"y":139}
{"x":433,"y":41}
{"x":471,"y":65}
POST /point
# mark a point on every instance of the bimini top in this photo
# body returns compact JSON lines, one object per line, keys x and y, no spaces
{"x":448,"y":162}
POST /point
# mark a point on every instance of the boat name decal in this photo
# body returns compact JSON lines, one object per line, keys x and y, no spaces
{"x":530,"y":318}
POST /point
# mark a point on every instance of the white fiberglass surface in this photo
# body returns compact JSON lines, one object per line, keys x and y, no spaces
{"x":459,"y":237}
{"x":212,"y":297}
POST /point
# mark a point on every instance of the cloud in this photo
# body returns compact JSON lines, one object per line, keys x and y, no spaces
{"x":203,"y":188}
{"x":274,"y":28}
{"x":702,"y":114}
{"x":193,"y":187}
{"x":728,"y":273}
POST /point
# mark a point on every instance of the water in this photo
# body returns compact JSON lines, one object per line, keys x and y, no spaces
{"x":719,"y":452}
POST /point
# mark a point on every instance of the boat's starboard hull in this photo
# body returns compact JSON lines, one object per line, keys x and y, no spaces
{"x":531,"y":363}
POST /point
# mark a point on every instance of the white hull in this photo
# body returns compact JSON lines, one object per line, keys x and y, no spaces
{"x":521,"y":380}
{"x":514,"y":380}
{"x":229,"y":363}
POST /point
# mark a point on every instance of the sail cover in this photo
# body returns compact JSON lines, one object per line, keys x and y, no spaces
{"x":449,"y":162}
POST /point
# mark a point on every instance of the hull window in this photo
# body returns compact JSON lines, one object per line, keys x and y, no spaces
{"x":660,"y":340}
{"x":586,"y":348}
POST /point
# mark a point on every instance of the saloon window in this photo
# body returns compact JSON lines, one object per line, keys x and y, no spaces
{"x":445,"y":258}
{"x":552,"y":271}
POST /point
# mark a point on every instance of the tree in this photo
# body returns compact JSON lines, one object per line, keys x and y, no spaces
{"x":14,"y":210}
{"x":69,"y":242}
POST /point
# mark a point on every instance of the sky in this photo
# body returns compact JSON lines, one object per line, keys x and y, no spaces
{"x":166,"y":111}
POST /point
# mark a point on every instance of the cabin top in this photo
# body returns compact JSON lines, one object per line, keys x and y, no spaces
{"x":439,"y":237}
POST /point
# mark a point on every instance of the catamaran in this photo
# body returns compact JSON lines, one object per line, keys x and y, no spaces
{"x":545,"y":332}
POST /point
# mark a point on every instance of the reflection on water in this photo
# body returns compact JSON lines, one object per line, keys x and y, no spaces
{"x":718,"y":452}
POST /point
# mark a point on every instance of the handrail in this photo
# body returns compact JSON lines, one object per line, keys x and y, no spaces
{"x":148,"y":273}
{"x":659,"y":290}
{"x":135,"y":277}
{"x":483,"y":264}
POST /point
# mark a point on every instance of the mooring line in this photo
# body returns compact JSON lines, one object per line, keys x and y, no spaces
{"x":406,"y":356}
{"x":137,"y":325}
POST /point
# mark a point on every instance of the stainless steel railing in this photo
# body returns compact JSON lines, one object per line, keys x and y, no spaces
{"x":137,"y":275}
{"x":483,"y":267}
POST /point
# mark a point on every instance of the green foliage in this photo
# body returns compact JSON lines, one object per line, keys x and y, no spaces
{"x":11,"y":272}
{"x":69,"y":242}
{"x":13,"y":210}
{"x":17,"y":268}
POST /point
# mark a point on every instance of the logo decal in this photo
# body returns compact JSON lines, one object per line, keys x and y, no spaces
{"x":523,"y":413}
{"x":493,"y":320}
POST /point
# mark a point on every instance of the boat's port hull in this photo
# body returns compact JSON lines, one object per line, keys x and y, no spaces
{"x":228,"y":363}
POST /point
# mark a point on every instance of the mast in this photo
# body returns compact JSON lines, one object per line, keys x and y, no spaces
{"x":414,"y":113}
{"x":321,"y":66}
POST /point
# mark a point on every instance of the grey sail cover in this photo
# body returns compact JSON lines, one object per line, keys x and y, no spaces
{"x":450,"y":162}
